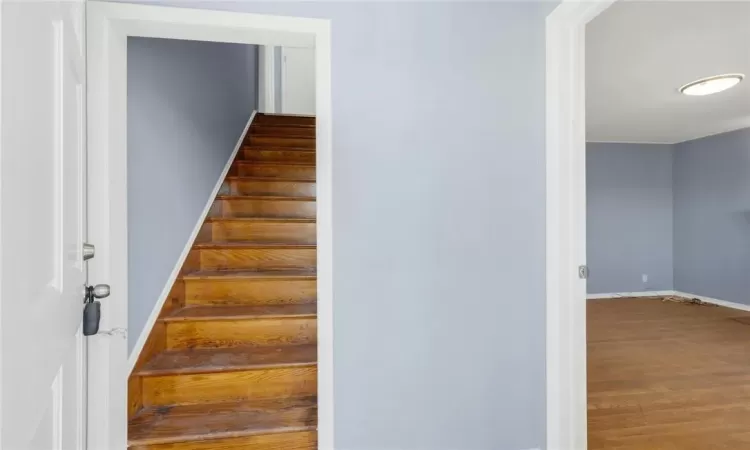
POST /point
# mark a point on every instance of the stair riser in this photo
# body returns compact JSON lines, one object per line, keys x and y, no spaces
{"x":276,"y":232}
{"x":248,"y":169}
{"x":287,"y":156}
{"x":256,"y":258}
{"x":299,"y":440}
{"x":236,"y":333}
{"x":281,"y":188}
{"x":299,"y":209}
{"x":285,"y":120}
{"x":230,"y":386}
{"x":249,"y":292}
{"x":281,"y":141}
{"x":282,"y":131}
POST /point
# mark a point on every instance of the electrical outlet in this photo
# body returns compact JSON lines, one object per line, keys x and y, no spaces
{"x":644,"y":277}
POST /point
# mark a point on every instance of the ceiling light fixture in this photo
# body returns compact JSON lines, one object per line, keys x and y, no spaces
{"x":712,"y":85}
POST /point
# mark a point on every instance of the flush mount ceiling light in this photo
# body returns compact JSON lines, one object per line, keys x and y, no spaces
{"x":712,"y":85}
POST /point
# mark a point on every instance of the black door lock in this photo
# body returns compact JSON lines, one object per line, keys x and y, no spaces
{"x":92,"y":312}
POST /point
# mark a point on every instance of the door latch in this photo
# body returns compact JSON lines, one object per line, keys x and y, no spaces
{"x":88,"y":251}
{"x":583,"y":272}
{"x":92,"y":312}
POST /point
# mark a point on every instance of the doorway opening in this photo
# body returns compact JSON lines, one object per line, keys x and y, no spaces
{"x":110,"y":27}
{"x":646,"y":219}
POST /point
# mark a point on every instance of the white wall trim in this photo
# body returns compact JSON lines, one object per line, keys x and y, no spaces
{"x":108,"y":26}
{"x":614,"y":295}
{"x":282,"y":83}
{"x":267,"y":79}
{"x":714,"y":301}
{"x":566,"y":222}
{"x":135,"y":353}
{"x":685,"y":295}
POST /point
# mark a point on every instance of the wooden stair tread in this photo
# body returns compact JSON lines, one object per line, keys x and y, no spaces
{"x":277,"y":149}
{"x":274,"y":163}
{"x":269,"y":179}
{"x":265,"y":197}
{"x":180,"y":423}
{"x":239,"y":312}
{"x":251,"y":244}
{"x":209,"y":360}
{"x":261,"y":219}
{"x":282,"y":274}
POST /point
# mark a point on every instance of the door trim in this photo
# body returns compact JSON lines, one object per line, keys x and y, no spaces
{"x":266,"y":80}
{"x":109,"y":25}
{"x":566,"y":221}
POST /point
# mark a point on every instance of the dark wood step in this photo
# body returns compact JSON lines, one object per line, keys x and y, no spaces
{"x":243,"y":255}
{"x":198,"y":361}
{"x":284,"y":419}
{"x":241,"y":326}
{"x":213,"y":375}
{"x":234,"y":312}
{"x":265,"y":129}
{"x":281,"y":141}
{"x":260,"y":229}
{"x":268,"y":186}
{"x":287,"y":120}
{"x":264,"y":206}
{"x":222,"y":287}
{"x":269,"y":154}
{"x":287,"y":171}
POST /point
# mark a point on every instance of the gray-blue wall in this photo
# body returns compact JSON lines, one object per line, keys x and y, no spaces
{"x":629,"y":217}
{"x":188,"y":103}
{"x":712,"y":216}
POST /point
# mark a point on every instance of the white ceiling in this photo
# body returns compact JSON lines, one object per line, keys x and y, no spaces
{"x":638,"y":54}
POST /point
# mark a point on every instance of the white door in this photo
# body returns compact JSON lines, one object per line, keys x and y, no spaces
{"x":42,"y":226}
{"x":298,"y":81}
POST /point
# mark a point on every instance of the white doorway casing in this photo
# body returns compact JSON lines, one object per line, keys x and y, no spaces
{"x":566,"y":222}
{"x":266,"y":79}
{"x":109,"y":25}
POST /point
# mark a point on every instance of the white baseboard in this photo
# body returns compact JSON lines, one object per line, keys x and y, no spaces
{"x":714,"y":301}
{"x":185,"y":251}
{"x":629,"y":294}
{"x":686,"y":295}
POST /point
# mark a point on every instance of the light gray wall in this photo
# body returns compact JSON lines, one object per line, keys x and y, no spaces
{"x":629,"y":217}
{"x":188,"y":103}
{"x":439,"y":219}
{"x":712,"y":216}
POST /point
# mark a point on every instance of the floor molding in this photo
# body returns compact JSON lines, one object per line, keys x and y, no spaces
{"x":714,"y":301}
{"x":629,"y":294}
{"x":687,"y":295}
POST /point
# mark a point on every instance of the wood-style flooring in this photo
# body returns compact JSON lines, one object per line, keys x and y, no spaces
{"x":667,"y":376}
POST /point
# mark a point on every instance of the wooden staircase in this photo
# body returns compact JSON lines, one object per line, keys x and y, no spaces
{"x":231,"y":362}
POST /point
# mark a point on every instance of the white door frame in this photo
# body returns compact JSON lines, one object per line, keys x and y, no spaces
{"x":566,"y":222}
{"x":266,"y":79}
{"x":109,"y":25}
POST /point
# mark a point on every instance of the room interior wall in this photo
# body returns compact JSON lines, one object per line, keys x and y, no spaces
{"x":629,"y":217}
{"x":712,"y":216}
{"x":188,"y":102}
{"x":691,"y":199}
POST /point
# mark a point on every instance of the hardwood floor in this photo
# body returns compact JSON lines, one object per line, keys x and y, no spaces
{"x":667,"y":376}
